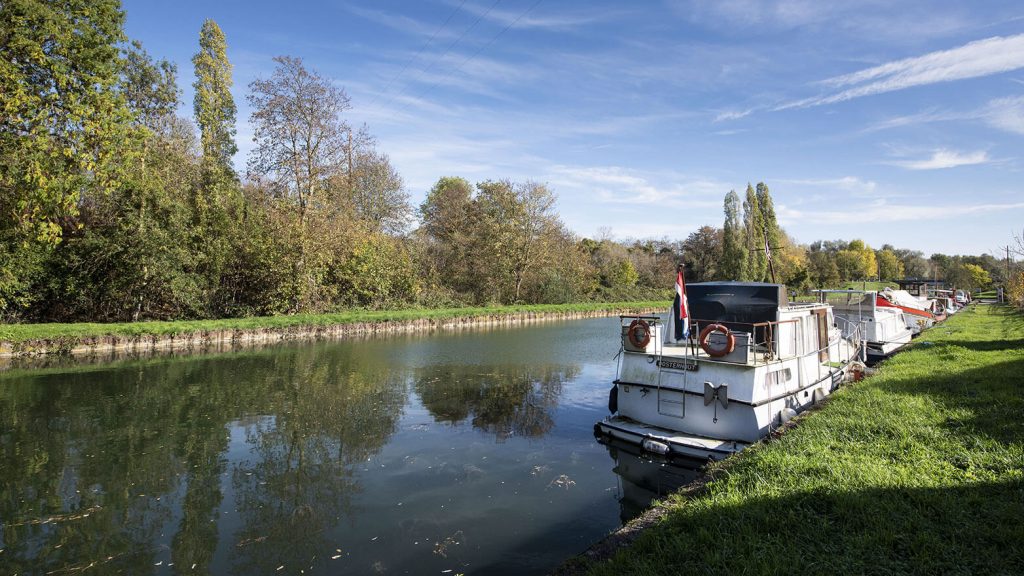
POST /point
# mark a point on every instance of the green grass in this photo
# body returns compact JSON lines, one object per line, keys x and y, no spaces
{"x":28,"y":332}
{"x":868,"y":285}
{"x":917,"y":470}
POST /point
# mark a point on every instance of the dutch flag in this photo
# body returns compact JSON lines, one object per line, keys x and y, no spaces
{"x":680,"y":309}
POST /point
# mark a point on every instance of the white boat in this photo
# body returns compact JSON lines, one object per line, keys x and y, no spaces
{"x":752,"y":361}
{"x":917,"y":312}
{"x":884,"y":329}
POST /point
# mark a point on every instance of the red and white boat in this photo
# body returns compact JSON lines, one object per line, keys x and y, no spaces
{"x":916,"y":312}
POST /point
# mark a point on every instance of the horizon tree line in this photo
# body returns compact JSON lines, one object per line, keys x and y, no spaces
{"x":113,"y":207}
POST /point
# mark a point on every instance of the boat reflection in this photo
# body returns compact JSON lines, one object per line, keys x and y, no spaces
{"x":644,"y":477}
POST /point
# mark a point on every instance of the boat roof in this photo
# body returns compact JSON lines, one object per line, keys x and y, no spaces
{"x":736,"y":304}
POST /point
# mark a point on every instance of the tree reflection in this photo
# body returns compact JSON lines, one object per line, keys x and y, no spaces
{"x":98,"y":467}
{"x":331,"y":415}
{"x":504,"y":401}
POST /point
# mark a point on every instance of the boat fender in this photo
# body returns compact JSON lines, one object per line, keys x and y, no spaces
{"x":787,"y":414}
{"x":639,"y":333}
{"x":613,"y":399}
{"x":654,"y":446}
{"x":705,"y":337}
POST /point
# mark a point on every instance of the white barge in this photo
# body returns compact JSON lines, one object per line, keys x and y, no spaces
{"x":884,"y":329}
{"x":751,"y":361}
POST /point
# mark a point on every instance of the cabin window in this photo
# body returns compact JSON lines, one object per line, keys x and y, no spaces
{"x":778,"y":377}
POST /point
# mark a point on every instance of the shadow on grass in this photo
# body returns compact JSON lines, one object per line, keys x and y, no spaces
{"x":987,"y":345}
{"x":973,"y":529}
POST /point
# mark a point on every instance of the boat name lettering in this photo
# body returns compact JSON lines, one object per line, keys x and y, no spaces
{"x":677,"y":365}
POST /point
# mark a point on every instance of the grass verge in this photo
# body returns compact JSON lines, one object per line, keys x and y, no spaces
{"x":917,"y":470}
{"x":30,"y":332}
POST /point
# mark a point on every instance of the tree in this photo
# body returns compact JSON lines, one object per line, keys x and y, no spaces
{"x":378,"y":193}
{"x":445,"y":219}
{"x":517,"y":224}
{"x":301,"y":140}
{"x":734,"y":255}
{"x":770,"y":224}
{"x":889,"y":265}
{"x":979,"y":277}
{"x":703,"y":252}
{"x":822,"y":267}
{"x":214,"y":106}
{"x":753,"y":238}
{"x":64,"y":127}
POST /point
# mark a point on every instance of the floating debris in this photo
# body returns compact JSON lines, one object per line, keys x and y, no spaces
{"x":538,"y":470}
{"x":441,"y":548}
{"x":562,"y":481}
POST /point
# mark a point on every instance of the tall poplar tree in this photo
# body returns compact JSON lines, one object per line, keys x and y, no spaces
{"x":753,"y":238}
{"x":769,"y":223}
{"x":733,"y":252}
{"x":214,"y":106}
{"x":218,"y":197}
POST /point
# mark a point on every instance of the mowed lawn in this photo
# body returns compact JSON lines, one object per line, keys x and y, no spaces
{"x":916,"y":470}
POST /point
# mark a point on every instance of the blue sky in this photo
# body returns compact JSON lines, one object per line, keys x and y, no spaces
{"x":893,"y":122}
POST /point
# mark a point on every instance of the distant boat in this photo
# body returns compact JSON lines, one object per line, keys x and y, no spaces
{"x":883,"y":328}
{"x":752,"y":360}
{"x":916,"y":312}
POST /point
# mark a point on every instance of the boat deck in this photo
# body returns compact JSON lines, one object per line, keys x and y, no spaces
{"x":679,"y":444}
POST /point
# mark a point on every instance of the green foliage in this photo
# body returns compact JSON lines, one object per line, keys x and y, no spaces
{"x":624,"y":274}
{"x":889,"y":265}
{"x":756,"y":261}
{"x":378,"y":272}
{"x":214,"y":106}
{"x":63,"y":126}
{"x":734,"y":253}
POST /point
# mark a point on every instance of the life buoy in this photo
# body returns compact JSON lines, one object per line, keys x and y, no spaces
{"x":639,"y":333}
{"x":705,"y":336}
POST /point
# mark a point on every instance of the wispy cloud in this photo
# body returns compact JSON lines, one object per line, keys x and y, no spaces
{"x":943,"y":158}
{"x":852,"y":184}
{"x":1006,"y":114}
{"x":617,"y":185}
{"x":733,"y":115}
{"x":398,"y":22}
{"x":976,"y":59}
{"x":531,"y":18}
{"x":882,"y":211}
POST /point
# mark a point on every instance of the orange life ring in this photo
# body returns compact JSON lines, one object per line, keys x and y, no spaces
{"x":639,"y":333}
{"x":730,"y":340}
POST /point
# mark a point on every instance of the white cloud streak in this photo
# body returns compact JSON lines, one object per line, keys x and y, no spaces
{"x":941,"y":159}
{"x":976,"y":59}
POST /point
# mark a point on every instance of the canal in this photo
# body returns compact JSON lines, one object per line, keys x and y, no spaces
{"x":466,"y":452}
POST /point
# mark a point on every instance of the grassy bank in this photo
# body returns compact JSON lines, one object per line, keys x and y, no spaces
{"x":919,"y":469}
{"x":30,"y":332}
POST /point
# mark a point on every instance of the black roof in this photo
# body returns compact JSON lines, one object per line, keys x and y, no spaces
{"x":735,"y":304}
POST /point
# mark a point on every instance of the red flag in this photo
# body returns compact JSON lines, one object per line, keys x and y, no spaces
{"x":681,"y":309}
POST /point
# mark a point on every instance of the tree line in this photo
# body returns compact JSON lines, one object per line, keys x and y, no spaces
{"x":113,"y":207}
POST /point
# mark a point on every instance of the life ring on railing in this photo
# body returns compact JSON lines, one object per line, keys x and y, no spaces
{"x":705,"y":344}
{"x":639,"y":333}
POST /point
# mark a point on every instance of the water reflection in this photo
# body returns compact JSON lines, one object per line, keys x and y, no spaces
{"x":470,"y":453}
{"x":504,"y":401}
{"x":644,"y":478}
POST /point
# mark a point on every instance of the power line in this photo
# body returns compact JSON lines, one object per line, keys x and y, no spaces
{"x":481,"y":49}
{"x":449,"y":48}
{"x":418,"y":53}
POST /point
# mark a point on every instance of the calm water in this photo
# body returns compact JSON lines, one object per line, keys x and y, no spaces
{"x":453,"y":453}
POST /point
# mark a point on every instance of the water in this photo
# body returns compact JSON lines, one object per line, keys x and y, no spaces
{"x":443,"y":453}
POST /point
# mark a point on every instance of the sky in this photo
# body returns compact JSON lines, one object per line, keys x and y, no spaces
{"x":894,"y":122}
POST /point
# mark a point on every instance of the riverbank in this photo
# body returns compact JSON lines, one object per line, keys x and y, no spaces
{"x":919,"y":469}
{"x":87,"y":339}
